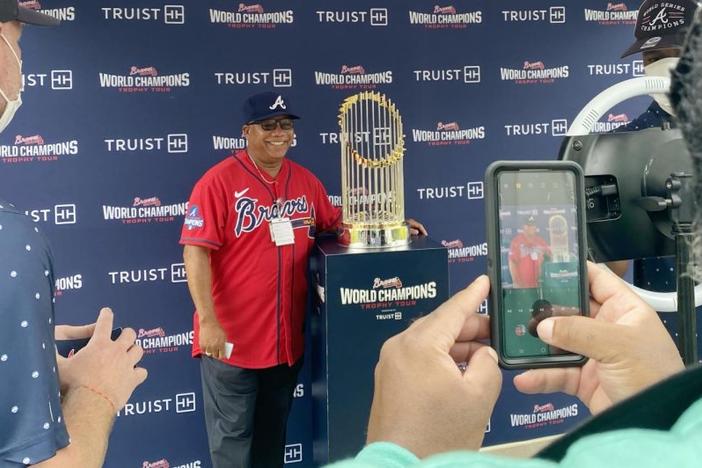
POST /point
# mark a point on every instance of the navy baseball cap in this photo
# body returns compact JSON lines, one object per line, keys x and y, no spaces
{"x":11,"y":10}
{"x":263,"y":106}
{"x":662,"y":25}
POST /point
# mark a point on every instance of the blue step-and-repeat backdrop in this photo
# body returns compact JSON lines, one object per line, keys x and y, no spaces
{"x":127,"y":103}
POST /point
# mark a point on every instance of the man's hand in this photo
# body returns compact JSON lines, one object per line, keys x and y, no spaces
{"x":73,"y":332}
{"x":422,"y":400}
{"x":416,"y":227}
{"x":103,"y":365}
{"x":212,"y":338}
{"x":628,"y":346}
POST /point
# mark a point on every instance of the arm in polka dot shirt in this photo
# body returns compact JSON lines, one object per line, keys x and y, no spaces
{"x":30,"y":409}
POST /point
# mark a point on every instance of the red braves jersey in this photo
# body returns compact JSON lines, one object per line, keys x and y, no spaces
{"x":528,"y":255}
{"x":259,"y":289}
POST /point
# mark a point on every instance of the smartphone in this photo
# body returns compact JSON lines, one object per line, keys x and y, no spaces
{"x":68,"y":348}
{"x":535,"y":219}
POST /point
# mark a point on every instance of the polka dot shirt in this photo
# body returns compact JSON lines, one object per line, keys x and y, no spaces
{"x":31,"y":423}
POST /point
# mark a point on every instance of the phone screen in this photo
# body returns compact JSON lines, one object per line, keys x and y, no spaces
{"x":539,"y":261}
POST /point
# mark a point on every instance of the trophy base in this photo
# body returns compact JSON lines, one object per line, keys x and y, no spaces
{"x":374,"y":236}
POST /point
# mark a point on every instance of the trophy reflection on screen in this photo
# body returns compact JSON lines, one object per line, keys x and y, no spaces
{"x":372,"y":188}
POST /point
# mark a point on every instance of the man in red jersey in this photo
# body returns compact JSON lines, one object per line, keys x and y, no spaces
{"x":526,"y":255}
{"x":248,"y":234}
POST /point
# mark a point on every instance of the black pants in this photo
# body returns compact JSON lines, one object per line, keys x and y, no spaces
{"x":246,"y":413}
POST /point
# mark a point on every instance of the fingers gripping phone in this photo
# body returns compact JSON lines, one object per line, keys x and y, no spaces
{"x":535,"y":219}
{"x":68,"y":348}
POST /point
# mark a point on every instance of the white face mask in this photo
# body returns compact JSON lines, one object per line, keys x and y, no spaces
{"x":12,"y":106}
{"x":662,"y":68}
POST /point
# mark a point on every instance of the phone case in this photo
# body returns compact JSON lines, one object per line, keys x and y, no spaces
{"x":494,"y":259}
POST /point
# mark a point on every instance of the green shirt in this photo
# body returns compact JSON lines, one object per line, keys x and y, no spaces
{"x":660,"y":435}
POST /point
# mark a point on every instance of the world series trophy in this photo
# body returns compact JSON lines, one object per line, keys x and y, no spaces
{"x":372,"y":189}
{"x":371,"y":282}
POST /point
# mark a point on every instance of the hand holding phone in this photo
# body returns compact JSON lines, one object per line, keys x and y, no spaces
{"x":535,"y":218}
{"x":68,"y":348}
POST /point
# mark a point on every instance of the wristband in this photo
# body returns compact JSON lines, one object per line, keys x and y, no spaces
{"x":102,"y":395}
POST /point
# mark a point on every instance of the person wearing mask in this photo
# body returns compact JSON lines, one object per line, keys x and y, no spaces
{"x":54,"y":412}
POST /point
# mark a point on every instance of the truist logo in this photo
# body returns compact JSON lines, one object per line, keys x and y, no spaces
{"x":148,"y":275}
{"x":615,"y":13}
{"x":662,"y":16}
{"x":459,"y":253}
{"x":353,"y":77}
{"x":448,"y":133}
{"x":64,"y":213}
{"x":172,"y":143}
{"x":169,"y":14}
{"x":156,"y":340}
{"x":30,"y":148}
{"x":473,"y":190}
{"x":373,"y":17}
{"x":554,"y":15}
{"x":395,"y":282}
{"x":534,"y":72}
{"x":278,"y":77}
{"x":144,"y":79}
{"x":543,"y":415}
{"x":445,"y":17}
{"x":59,"y":80}
{"x":63,"y":14}
{"x":635,"y":68}
{"x":556,"y":127}
{"x":143,"y":211}
{"x":467,"y":74}
{"x":181,"y":403}
{"x":251,"y":15}
{"x":250,"y":215}
{"x":612,"y":122}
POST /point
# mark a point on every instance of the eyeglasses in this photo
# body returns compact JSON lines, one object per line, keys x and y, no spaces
{"x":270,"y":125}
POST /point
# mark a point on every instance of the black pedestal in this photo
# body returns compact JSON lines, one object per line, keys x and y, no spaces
{"x":365,"y":297}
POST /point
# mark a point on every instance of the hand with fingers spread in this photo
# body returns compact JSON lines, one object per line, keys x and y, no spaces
{"x":628,"y":346}
{"x":422,"y":400}
{"x":105,"y":366}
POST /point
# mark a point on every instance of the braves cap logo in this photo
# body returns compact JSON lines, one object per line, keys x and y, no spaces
{"x":278,"y":103}
{"x":661,"y":16}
